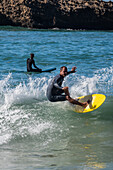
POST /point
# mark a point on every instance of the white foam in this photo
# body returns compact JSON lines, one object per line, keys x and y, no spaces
{"x":100,"y":82}
{"x":5,"y":138}
{"x":37,"y":129}
{"x":19,"y":121}
{"x":27,"y":92}
{"x":24,"y":92}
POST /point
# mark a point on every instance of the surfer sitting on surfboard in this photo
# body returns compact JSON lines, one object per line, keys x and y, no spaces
{"x":31,"y":61}
{"x":55,"y":90}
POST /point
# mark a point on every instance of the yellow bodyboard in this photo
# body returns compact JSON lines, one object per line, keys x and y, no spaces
{"x":96,"y":101}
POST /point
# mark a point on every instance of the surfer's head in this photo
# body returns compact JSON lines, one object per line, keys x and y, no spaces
{"x":32,"y":55}
{"x":63,"y":71}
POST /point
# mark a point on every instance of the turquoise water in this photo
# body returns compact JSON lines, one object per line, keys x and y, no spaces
{"x":38,"y":134}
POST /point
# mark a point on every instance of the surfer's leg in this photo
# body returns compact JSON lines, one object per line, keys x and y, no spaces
{"x":73,"y":101}
{"x":57,"y":98}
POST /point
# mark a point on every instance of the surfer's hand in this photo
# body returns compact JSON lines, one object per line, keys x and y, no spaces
{"x":85,"y":104}
{"x":73,"y":69}
{"x":66,"y":90}
{"x":40,"y":70}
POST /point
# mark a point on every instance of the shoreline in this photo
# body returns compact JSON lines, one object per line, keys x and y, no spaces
{"x":19,"y":28}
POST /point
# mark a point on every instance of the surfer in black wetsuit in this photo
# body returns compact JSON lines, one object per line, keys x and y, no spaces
{"x":55,"y":90}
{"x":31,"y":61}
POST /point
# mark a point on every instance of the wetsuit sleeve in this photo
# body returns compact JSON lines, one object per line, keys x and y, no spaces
{"x":57,"y":86}
{"x":34,"y":64}
{"x":58,"y":82}
{"x":69,"y":72}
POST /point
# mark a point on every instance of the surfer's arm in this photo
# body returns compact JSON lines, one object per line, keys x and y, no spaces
{"x":57,"y":82}
{"x":34,"y":64}
{"x":27,"y":60}
{"x":72,"y":70}
{"x":57,"y":86}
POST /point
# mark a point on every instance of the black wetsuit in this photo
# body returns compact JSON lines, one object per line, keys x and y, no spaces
{"x":29,"y":66}
{"x":54,"y":90}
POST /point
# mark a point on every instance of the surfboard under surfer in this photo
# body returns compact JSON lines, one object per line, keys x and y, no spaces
{"x":55,"y":90}
{"x":30,"y":62}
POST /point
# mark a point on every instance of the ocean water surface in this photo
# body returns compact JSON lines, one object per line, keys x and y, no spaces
{"x":37,"y":134}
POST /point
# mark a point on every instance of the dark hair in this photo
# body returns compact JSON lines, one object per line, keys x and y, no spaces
{"x":32,"y":55}
{"x":61,"y":68}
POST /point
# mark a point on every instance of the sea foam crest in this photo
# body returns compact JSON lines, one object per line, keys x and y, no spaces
{"x":101,"y":81}
{"x":23,"y":92}
{"x":105,"y":80}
